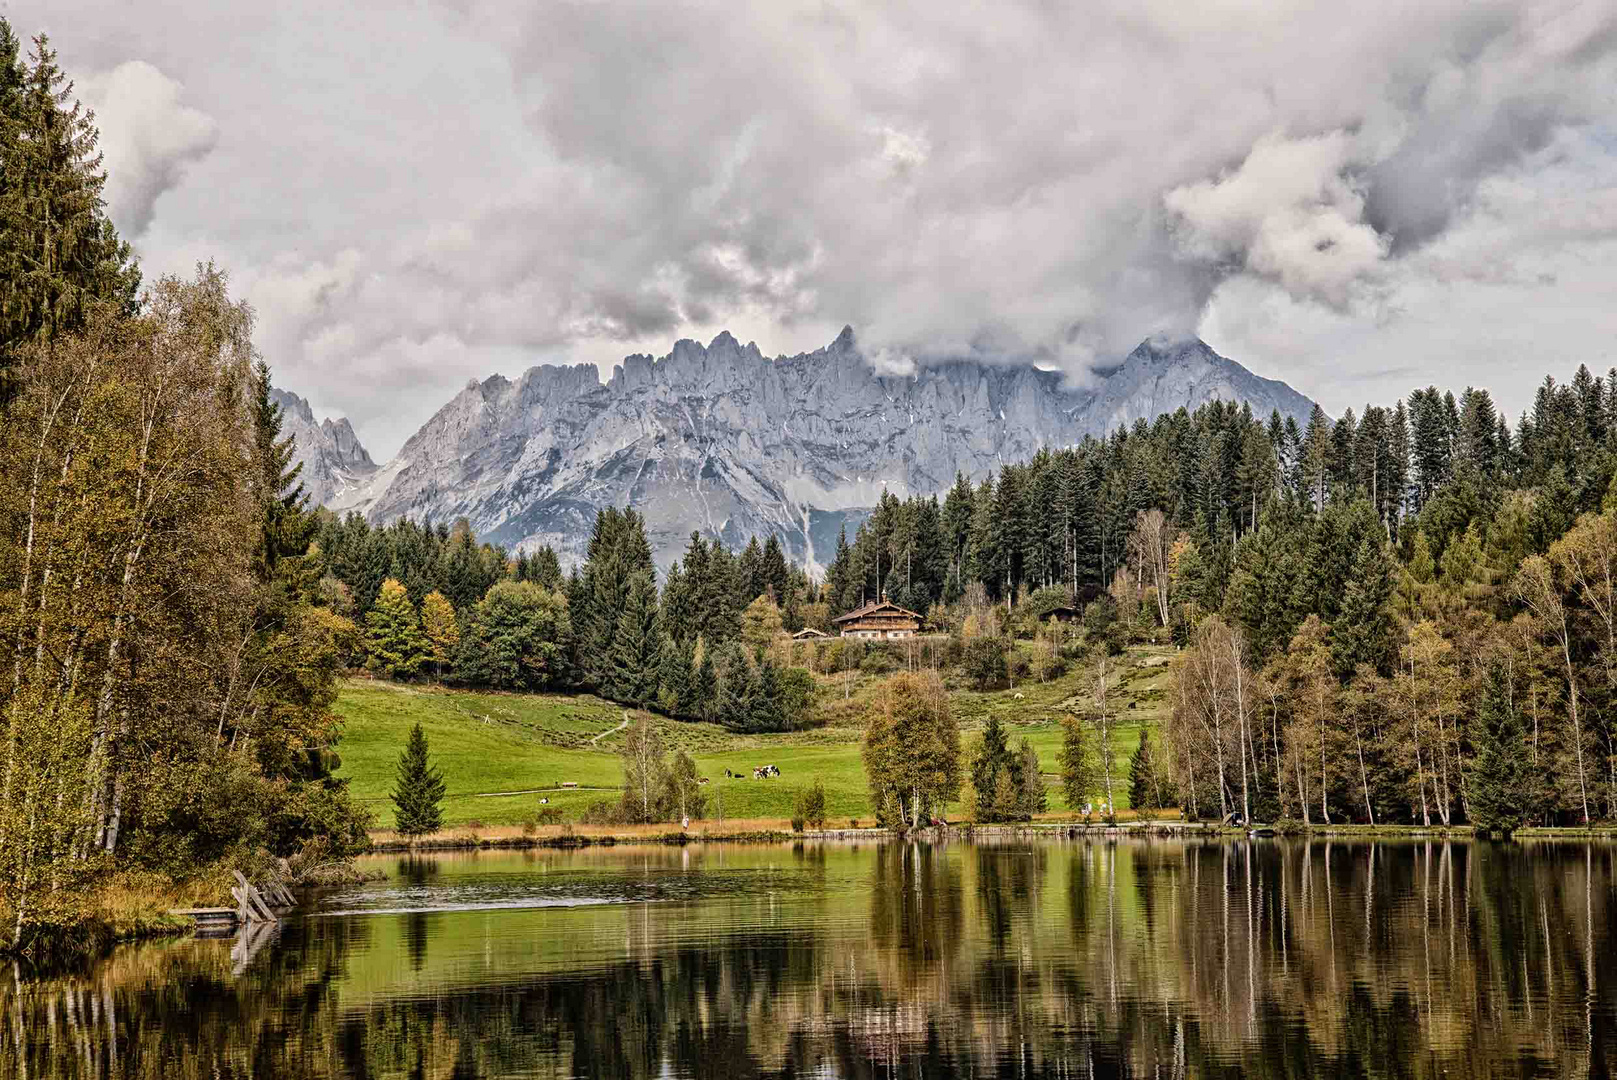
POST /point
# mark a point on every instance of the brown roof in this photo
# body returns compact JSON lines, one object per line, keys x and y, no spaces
{"x":880,"y":608}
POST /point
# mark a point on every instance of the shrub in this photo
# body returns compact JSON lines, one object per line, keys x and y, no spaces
{"x":853,"y":823}
{"x":600,"y":812}
{"x":1052,"y":669}
{"x":797,"y":824}
{"x":985,"y":661}
{"x":1020,"y":669}
{"x":551,"y":815}
{"x":878,"y":661}
{"x":811,"y":805}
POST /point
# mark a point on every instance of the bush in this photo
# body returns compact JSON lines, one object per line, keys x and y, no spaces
{"x":600,"y":812}
{"x":878,"y":661}
{"x":985,"y":661}
{"x":1020,"y":669}
{"x":811,"y":805}
{"x":853,"y":823}
{"x":551,"y":815}
{"x":797,"y":824}
{"x":1052,"y":669}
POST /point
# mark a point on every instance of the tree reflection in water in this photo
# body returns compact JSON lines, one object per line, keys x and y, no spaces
{"x":1136,"y":958}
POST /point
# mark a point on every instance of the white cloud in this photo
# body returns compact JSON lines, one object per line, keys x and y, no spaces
{"x":149,"y":138}
{"x":416,"y":196}
{"x":1292,"y":213}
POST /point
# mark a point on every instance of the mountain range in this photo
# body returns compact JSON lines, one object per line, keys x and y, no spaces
{"x":334,"y":462}
{"x":726,"y":441}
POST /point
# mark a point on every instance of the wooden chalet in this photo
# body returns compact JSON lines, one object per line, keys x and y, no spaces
{"x":880,"y":619}
{"x":1063,"y":614}
{"x":808,"y":633}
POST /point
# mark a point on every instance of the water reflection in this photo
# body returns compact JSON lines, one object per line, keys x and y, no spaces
{"x":1149,"y":958}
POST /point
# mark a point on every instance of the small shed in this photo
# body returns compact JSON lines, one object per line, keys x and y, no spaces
{"x":1062,"y":614}
{"x":879,"y":620}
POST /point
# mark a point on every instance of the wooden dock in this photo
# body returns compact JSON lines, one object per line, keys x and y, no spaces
{"x":261,"y":904}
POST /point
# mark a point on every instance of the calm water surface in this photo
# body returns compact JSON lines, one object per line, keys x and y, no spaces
{"x":1044,"y":959}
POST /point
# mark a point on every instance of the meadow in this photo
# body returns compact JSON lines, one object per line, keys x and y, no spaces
{"x":501,"y":754}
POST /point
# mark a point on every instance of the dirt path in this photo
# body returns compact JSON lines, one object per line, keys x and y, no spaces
{"x":612,"y":731}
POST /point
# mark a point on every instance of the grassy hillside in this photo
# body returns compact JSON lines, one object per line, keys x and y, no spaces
{"x":500,"y":753}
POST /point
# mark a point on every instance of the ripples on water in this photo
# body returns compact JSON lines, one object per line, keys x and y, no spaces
{"x":1060,"y":959}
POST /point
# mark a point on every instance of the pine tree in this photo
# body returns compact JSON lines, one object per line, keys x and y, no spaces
{"x":1077,"y":764}
{"x":1142,"y":775}
{"x":59,"y":254}
{"x":545,"y":568}
{"x":418,"y":790}
{"x":636,"y":644}
{"x":774,"y":570}
{"x":991,"y":760}
{"x":705,"y":687}
{"x":393,"y":633}
{"x":1031,"y":795}
{"x":1497,"y":791}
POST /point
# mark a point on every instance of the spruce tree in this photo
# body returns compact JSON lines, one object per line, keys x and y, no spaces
{"x":1497,"y":790}
{"x":545,"y":568}
{"x":992,"y":759}
{"x":636,"y":644}
{"x":1032,"y":797}
{"x":1077,"y":764}
{"x":1363,"y":632}
{"x":705,"y":687}
{"x":776,"y":576}
{"x":59,"y":253}
{"x":1142,"y":775}
{"x":673,"y":678}
{"x":418,"y":790}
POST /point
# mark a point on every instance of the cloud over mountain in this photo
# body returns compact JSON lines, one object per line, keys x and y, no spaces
{"x":502,"y":184}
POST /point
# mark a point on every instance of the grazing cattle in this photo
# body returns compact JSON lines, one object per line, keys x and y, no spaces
{"x":544,"y":801}
{"x":763,"y":772}
{"x":703,"y":780}
{"x":1018,"y":697}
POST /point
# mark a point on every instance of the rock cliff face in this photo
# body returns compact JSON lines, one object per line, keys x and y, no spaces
{"x":727,"y":441}
{"x":334,"y":463}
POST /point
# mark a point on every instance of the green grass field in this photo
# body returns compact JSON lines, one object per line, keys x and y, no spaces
{"x":501,"y":753}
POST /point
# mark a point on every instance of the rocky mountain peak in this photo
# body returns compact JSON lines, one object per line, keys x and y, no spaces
{"x":334,"y":462}
{"x":722,"y":440}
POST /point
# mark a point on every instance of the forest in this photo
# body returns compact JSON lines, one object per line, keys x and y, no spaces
{"x":169,"y":663}
{"x":1403,"y":616}
{"x":1407,"y":615}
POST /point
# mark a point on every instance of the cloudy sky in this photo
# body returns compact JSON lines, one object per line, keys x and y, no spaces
{"x":1356,"y":198}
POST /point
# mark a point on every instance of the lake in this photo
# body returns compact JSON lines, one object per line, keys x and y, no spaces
{"x":1061,"y":958}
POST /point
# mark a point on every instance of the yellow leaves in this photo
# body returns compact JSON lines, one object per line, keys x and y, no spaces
{"x":439,"y":625}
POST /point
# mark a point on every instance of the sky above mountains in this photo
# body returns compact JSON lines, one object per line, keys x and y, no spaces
{"x":1357,"y":199}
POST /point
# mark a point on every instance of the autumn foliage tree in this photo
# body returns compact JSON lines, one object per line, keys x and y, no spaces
{"x":911,"y":750}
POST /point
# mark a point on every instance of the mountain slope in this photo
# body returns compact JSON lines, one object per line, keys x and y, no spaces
{"x":334,"y":463}
{"x":724,"y":440}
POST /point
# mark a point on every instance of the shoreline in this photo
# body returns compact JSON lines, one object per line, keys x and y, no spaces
{"x":674,"y":836}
